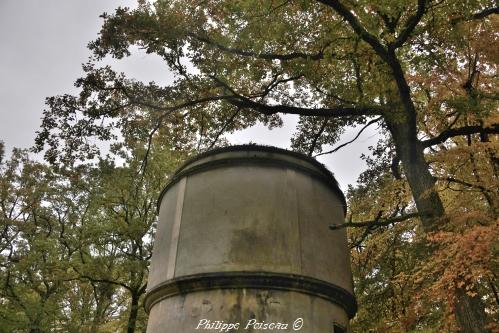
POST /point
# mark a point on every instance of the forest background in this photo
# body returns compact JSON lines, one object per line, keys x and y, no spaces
{"x":77,"y":228}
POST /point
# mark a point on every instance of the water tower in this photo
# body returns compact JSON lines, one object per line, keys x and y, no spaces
{"x":243,"y":245}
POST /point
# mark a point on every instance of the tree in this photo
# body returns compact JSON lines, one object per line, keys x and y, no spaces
{"x":116,"y":240}
{"x":425,"y":71}
{"x":75,"y":243}
{"x":401,"y":284}
{"x":33,"y":260}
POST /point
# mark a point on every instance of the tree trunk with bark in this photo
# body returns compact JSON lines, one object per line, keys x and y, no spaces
{"x":469,"y":310}
{"x":134,"y":310}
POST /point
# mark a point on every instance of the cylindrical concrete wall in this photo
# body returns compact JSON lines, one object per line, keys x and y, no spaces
{"x":243,"y":237}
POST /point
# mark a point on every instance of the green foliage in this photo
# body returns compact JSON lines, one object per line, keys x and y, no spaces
{"x":76,"y":243}
{"x":425,"y":71}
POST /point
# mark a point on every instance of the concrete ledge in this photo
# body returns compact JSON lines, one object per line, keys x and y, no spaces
{"x":252,"y":280}
{"x":263,"y":155}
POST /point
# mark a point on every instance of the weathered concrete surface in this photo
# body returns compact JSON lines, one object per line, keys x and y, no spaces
{"x":186,"y":312}
{"x":250,"y":209}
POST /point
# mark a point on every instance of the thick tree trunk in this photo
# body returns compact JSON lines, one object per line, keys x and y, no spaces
{"x":134,"y":310}
{"x":470,"y":311}
{"x":421,"y":182}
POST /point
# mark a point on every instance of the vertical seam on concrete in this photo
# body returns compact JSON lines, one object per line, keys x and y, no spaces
{"x":291,"y":180}
{"x":298,"y":222}
{"x":172,"y":257}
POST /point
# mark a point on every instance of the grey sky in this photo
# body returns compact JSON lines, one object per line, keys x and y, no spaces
{"x":43,"y":44}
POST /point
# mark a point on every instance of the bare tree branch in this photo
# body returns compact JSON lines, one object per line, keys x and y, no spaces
{"x":378,"y":222}
{"x":466,"y":130}
{"x":357,"y":26}
{"x":317,"y":136}
{"x":143,"y":165}
{"x":464,"y":183}
{"x":267,"y":56}
{"x":411,"y":24}
{"x":275,"y":82}
{"x":107,"y":281}
{"x":334,"y":112}
{"x":476,"y":16}
{"x":227,"y":123}
{"x":355,"y":138}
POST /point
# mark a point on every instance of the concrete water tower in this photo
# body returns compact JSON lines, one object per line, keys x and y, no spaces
{"x":243,"y":245}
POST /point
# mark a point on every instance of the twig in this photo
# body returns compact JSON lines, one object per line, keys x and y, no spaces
{"x":377,"y":222}
{"x":349,"y":142}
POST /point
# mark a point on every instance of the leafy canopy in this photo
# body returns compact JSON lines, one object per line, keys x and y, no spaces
{"x":425,"y":71}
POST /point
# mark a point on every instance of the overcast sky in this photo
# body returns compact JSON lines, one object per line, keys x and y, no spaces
{"x":43,"y":44}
